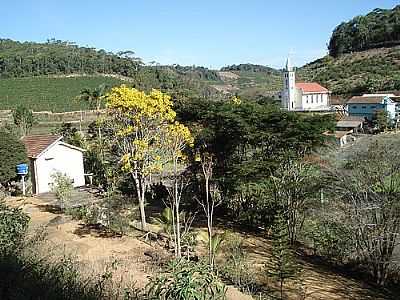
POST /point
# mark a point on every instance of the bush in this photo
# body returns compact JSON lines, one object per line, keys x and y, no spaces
{"x":186,"y":280}
{"x":12,"y":152}
{"x":236,"y":268}
{"x":13,"y":225}
{"x":62,"y":186}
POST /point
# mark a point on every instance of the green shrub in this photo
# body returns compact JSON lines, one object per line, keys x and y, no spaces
{"x":186,"y":280}
{"x":236,"y":268}
{"x":13,"y":225}
{"x":62,"y":186}
{"x":12,"y":152}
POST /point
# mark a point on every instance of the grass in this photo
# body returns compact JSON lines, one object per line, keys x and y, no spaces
{"x":57,"y":94}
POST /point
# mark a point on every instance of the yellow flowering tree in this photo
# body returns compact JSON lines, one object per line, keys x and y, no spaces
{"x":146,"y":135}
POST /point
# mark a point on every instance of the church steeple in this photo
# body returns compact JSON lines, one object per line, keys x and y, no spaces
{"x":289,"y":67}
{"x":289,"y":86}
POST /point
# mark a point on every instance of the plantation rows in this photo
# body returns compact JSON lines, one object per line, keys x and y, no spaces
{"x":49,"y":93}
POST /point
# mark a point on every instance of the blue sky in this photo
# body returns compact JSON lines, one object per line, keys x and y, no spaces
{"x":203,"y":32}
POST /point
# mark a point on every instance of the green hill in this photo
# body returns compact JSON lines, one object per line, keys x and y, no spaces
{"x":30,"y":74}
{"x":354,"y":73}
{"x":358,"y":61}
{"x":251,"y":82}
{"x":379,"y":28}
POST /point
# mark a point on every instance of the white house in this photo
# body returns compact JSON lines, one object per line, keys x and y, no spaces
{"x":48,"y":155}
{"x":305,"y":96}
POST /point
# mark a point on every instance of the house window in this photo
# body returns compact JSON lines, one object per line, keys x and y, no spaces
{"x":363,"y":107}
{"x":354,"y":107}
{"x":373,"y":106}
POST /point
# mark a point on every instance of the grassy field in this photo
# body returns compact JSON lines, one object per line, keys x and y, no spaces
{"x":57,"y":94}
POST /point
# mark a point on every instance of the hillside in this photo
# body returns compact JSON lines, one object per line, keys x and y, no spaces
{"x":49,"y":76}
{"x":354,"y":73}
{"x":379,"y":28}
{"x":55,"y":94}
{"x":31,"y":73}
{"x":364,"y":55}
{"x":254,"y":82}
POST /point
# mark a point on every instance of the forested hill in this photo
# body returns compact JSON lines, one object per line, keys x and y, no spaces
{"x":250,"y":68}
{"x":56,"y":58}
{"x":364,"y":55}
{"x":28,"y":59}
{"x":379,"y":28}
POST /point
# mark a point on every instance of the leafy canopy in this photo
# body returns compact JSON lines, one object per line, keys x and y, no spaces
{"x":12,"y":152}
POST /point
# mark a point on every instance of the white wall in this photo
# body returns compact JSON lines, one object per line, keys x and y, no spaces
{"x":314,"y":100}
{"x":59,"y":158}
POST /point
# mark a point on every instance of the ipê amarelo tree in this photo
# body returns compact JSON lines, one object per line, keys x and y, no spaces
{"x":142,"y":124}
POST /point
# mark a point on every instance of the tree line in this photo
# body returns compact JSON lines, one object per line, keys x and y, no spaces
{"x":56,"y":57}
{"x":379,"y":28}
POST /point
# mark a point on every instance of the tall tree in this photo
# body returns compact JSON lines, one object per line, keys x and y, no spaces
{"x":294,"y":185}
{"x":177,"y":139}
{"x":24,"y":119}
{"x":12,"y":152}
{"x":140,"y":126}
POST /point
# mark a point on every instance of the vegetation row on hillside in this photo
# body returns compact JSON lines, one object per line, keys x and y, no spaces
{"x":379,"y":28}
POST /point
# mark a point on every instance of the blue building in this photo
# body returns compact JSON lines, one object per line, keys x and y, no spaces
{"x":368,"y":104}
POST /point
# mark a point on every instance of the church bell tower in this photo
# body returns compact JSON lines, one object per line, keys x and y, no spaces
{"x":289,"y":87}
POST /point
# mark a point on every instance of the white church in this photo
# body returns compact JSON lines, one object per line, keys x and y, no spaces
{"x":302,"y":96}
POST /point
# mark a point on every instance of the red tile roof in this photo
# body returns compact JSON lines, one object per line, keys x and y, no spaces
{"x":311,"y":87}
{"x":36,"y":144}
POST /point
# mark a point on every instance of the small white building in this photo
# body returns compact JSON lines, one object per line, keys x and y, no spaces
{"x":305,"y":96}
{"x":48,"y":155}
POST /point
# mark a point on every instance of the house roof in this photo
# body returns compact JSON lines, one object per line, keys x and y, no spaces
{"x":348,"y":124}
{"x":311,"y":87}
{"x":36,"y":144}
{"x":365,"y":100}
{"x":352,"y":118}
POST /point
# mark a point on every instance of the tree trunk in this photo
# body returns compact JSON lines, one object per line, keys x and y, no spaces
{"x":140,"y":191}
{"x":209,"y":226}
{"x":178,"y":224}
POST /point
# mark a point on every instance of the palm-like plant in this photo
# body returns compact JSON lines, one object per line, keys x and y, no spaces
{"x":94,"y":97}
